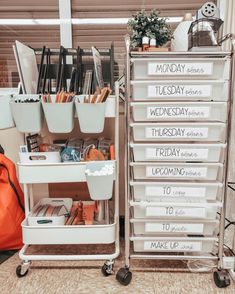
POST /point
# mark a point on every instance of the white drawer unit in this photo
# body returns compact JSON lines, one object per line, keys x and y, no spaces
{"x":176,"y":90}
{"x":188,"y":68}
{"x":179,"y":111}
{"x":175,"y":191}
{"x":176,"y":211}
{"x":205,"y":132}
{"x":173,"y":227}
{"x":177,"y":171}
{"x":173,"y":244}
{"x":178,"y":152}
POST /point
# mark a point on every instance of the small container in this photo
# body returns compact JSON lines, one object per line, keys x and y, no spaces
{"x":145,"y":43}
{"x":153,"y":43}
{"x":6,"y":119}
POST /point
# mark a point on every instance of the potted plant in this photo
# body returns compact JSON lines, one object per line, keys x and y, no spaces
{"x":151,"y":26}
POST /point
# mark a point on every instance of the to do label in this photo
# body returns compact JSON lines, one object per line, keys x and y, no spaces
{"x":175,"y":191}
{"x":174,"y":228}
{"x":171,"y":211}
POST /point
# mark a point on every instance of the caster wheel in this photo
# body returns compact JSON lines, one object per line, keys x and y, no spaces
{"x":221,"y":278}
{"x":19,"y":272}
{"x":107,"y":269}
{"x":124,"y":276}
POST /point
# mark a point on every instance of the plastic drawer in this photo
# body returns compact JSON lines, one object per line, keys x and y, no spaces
{"x":179,"y":152}
{"x":176,"y":211}
{"x":180,"y":90}
{"x":213,"y":132}
{"x":182,"y":68}
{"x":83,"y":234}
{"x":151,"y":227}
{"x":175,"y":191}
{"x":177,"y":171}
{"x":179,"y":111}
{"x":173,"y":244}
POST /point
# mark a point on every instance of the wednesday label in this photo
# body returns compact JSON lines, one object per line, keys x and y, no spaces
{"x":175,"y":191}
{"x":174,"y":132}
{"x":176,"y":172}
{"x":172,"y":246}
{"x":171,"y":211}
{"x":176,"y":153}
{"x":179,"y":91}
{"x":177,"y":112}
{"x":180,"y":68}
{"x":174,"y":228}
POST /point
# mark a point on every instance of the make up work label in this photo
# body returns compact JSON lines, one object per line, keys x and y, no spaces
{"x":176,"y":132}
{"x":180,"y":68}
{"x":166,"y":245}
{"x":179,"y":91}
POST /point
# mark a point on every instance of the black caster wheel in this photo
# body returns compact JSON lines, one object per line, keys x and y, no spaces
{"x":19,"y":272}
{"x":124,"y":276}
{"x":107,"y":269}
{"x":221,"y":278}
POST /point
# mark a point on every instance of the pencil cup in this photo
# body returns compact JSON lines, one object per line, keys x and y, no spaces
{"x":59,"y":116}
{"x":6,"y":119}
{"x":100,"y":177}
{"x":91,"y":116}
{"x":28,"y":116}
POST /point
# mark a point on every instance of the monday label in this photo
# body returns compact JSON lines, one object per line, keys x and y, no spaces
{"x":172,"y":245}
{"x":179,"y":91}
{"x":171,"y":211}
{"x":176,"y":172}
{"x":176,"y":153}
{"x":174,"y":228}
{"x":176,"y":132}
{"x":175,"y":191}
{"x":177,"y":112}
{"x":180,"y":68}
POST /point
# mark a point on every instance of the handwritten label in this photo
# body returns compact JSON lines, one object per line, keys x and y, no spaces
{"x":175,"y":191}
{"x":180,"y":68}
{"x":176,"y":172}
{"x":176,"y":132}
{"x":176,"y":153}
{"x":174,"y":228}
{"x":172,"y":246}
{"x":177,"y":112}
{"x":179,"y":91}
{"x":171,"y":211}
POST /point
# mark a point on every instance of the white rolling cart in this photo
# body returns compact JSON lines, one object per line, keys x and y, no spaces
{"x":107,"y":233}
{"x":178,"y":118}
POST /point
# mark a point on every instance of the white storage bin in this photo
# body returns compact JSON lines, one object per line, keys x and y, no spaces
{"x":181,"y":68}
{"x":173,"y":191}
{"x":151,"y":227}
{"x":39,"y":157}
{"x":51,"y":220}
{"x":59,"y":116}
{"x":178,"y":152}
{"x":77,"y":234}
{"x":173,"y":244}
{"x":100,"y":186}
{"x":179,"y":111}
{"x":28,"y":116}
{"x":180,"y":90}
{"x":6,"y":119}
{"x":175,"y":211}
{"x":179,"y":132}
{"x":178,"y":171}
{"x":91,"y":116}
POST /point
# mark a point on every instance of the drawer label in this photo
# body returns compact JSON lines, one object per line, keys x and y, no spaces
{"x":174,"y":228}
{"x":174,"y":132}
{"x":172,"y":211}
{"x":179,"y":91}
{"x":180,"y":68}
{"x":176,"y":153}
{"x":177,"y":112}
{"x":176,"y":171}
{"x":175,"y":191}
{"x":167,"y":245}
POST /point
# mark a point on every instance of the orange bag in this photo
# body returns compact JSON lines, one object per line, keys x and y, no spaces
{"x":11,"y":206}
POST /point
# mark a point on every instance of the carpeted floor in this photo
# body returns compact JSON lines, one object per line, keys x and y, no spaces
{"x":47,"y":277}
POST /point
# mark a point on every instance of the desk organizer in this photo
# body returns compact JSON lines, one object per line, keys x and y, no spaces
{"x":28,"y":116}
{"x":59,"y":116}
